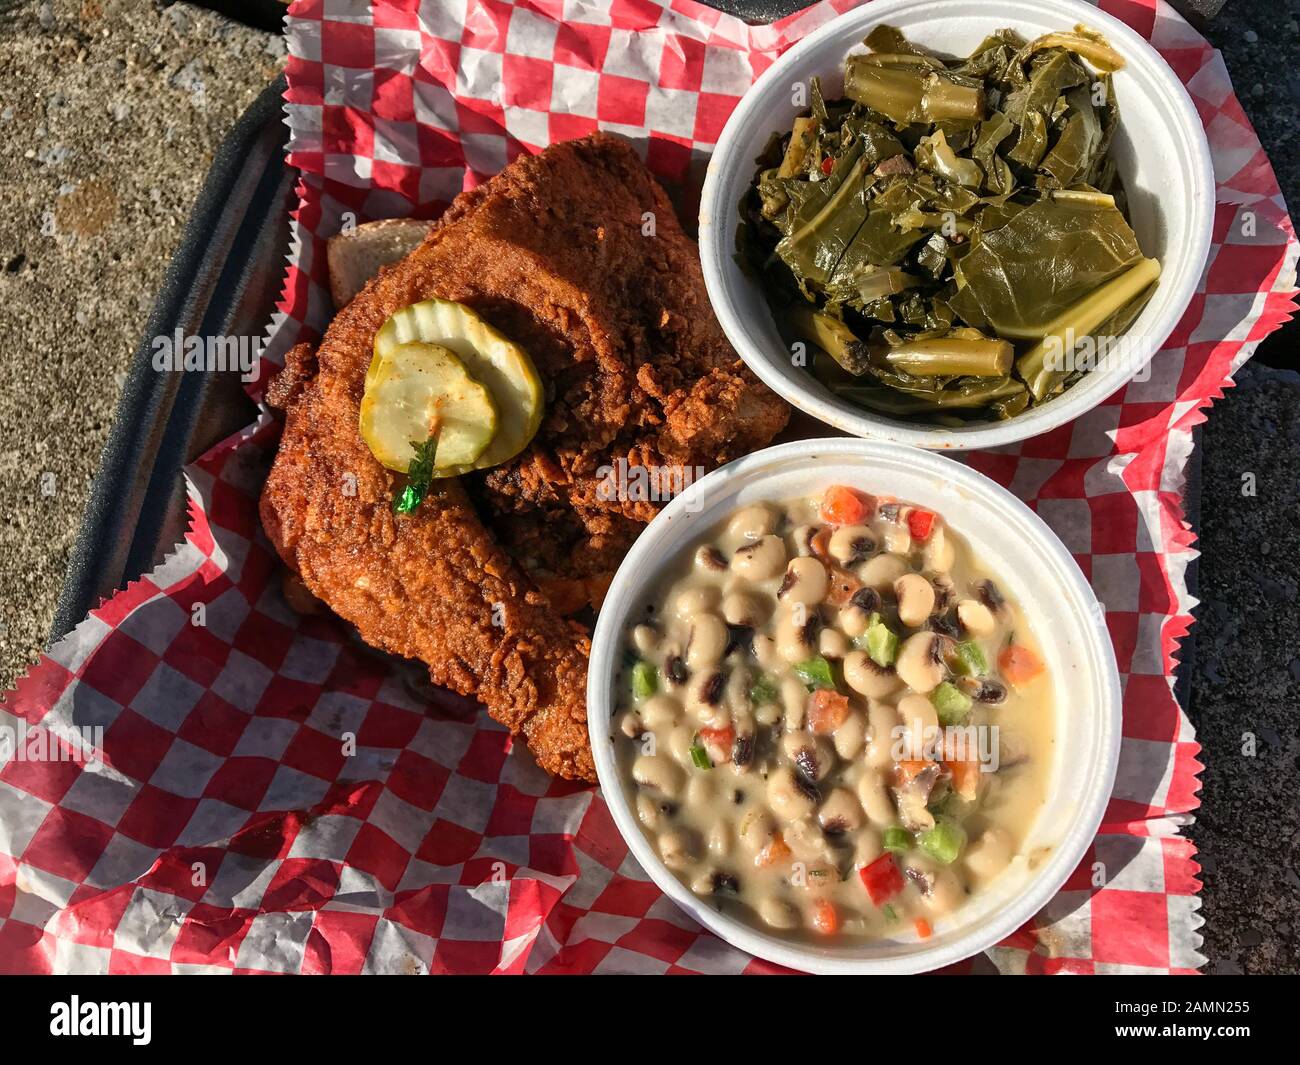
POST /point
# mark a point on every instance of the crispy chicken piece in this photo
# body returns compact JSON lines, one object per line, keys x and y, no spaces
{"x":576,"y":255}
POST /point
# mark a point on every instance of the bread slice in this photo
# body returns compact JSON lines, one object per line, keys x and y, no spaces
{"x":355,"y":257}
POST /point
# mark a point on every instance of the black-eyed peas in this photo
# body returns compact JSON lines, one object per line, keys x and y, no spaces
{"x":852,"y":544}
{"x":645,"y":640}
{"x":938,"y":554}
{"x":789,"y":796}
{"x":914,"y":595}
{"x":975,"y":617}
{"x":875,"y":801}
{"x":801,"y":539}
{"x":794,"y":632}
{"x":710,"y":559}
{"x":840,"y":812}
{"x":759,"y":560}
{"x":678,"y":849}
{"x":805,"y":582}
{"x":831,"y":643}
{"x":883,"y":726}
{"x":659,"y":712}
{"x":746,"y":609}
{"x":852,"y":619}
{"x":809,"y":754}
{"x":706,"y":641}
{"x":753,"y":523}
{"x":920,"y":665}
{"x":880,"y":573}
{"x":794,"y":697}
{"x":766,"y":653}
{"x":657,"y":773}
{"x":792,"y":715}
{"x":851,"y":736}
{"x":866,"y":677}
{"x":898,"y":541}
{"x":777,"y":913}
{"x":695,"y":599}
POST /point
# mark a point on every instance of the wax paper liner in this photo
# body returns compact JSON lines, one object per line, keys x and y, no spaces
{"x":225,"y":827}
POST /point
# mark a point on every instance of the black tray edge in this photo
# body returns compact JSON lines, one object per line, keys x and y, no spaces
{"x":141,"y":465}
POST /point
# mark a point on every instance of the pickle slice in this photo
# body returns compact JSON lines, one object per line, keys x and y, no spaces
{"x":420,"y":388}
{"x":497,"y":362}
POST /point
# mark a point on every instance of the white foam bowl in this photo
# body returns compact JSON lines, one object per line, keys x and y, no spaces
{"x":1025,"y":558}
{"x":1160,"y":149}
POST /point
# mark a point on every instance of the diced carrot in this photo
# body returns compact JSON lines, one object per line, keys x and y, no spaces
{"x":920,"y":523}
{"x":775,"y":852}
{"x":923,"y":928}
{"x":965,"y":778}
{"x":843,"y":586}
{"x":1019,"y":664}
{"x":844,"y":506}
{"x":825,"y":917}
{"x":827,"y":711}
{"x":908,"y":769}
{"x":881,"y":879}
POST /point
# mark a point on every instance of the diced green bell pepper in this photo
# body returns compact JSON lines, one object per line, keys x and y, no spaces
{"x":763,"y":691}
{"x":970,"y":660}
{"x":897,"y":840}
{"x":943,"y":842}
{"x":950,"y":703}
{"x":815,"y":673}
{"x":645,"y":680}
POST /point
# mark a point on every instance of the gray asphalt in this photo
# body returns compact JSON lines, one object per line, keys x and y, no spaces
{"x":110,"y":111}
{"x":1246,"y":683}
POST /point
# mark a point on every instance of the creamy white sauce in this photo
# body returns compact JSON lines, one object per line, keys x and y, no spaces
{"x":770,"y":799}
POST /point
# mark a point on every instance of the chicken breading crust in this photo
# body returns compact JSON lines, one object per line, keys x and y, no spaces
{"x":576,"y":255}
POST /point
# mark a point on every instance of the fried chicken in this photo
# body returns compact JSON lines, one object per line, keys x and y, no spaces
{"x":576,"y":255}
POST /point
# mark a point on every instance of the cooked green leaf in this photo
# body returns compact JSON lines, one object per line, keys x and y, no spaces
{"x":938,"y":232}
{"x":1028,"y":272}
{"x":919,"y":93}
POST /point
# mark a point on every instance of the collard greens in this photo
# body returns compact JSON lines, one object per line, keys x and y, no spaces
{"x":946,"y":233}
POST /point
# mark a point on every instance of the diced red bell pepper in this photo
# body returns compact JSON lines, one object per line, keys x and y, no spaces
{"x":828,"y":164}
{"x":720,"y":739}
{"x":920,"y":523}
{"x":881,"y":879}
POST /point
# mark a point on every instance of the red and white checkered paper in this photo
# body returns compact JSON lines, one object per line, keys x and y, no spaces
{"x":223,"y":828}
